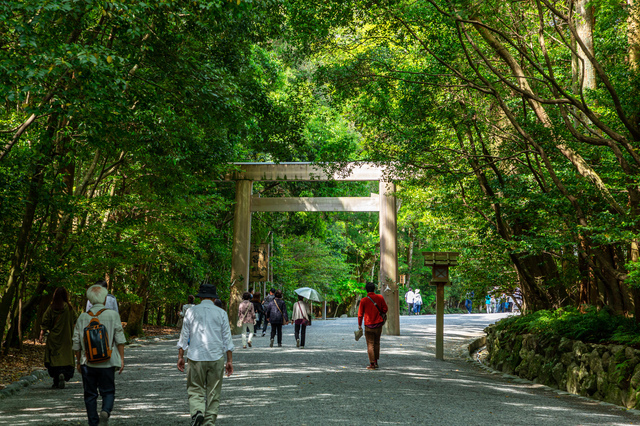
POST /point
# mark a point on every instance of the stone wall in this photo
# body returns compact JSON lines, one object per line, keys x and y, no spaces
{"x":608,"y":373}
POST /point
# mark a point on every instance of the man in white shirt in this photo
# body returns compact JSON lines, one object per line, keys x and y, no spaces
{"x":409,"y":297}
{"x":110,"y":303}
{"x":99,"y":378}
{"x":207,"y":335}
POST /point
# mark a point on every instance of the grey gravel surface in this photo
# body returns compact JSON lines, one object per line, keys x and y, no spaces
{"x":327,"y":383}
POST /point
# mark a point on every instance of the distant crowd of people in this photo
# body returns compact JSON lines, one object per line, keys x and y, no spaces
{"x":500,"y":304}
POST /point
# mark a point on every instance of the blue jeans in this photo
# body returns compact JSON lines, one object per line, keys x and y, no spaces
{"x":468,"y":304}
{"x":94,"y":380}
{"x":416,"y":308}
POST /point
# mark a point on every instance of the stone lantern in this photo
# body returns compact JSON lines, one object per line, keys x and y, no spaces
{"x":440,"y":261}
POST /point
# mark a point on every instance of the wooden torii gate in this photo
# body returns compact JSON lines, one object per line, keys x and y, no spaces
{"x":246,"y":203}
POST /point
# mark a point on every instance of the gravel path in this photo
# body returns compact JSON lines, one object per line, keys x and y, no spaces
{"x":326,"y":383}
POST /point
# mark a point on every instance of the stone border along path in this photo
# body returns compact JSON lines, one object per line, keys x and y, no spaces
{"x":326,"y":383}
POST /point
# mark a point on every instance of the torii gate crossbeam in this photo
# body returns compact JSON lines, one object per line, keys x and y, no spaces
{"x":384,"y":203}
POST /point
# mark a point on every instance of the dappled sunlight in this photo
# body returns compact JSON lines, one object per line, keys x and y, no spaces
{"x":326,"y":383}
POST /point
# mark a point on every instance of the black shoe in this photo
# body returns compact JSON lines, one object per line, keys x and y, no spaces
{"x":61,"y":381}
{"x":271,"y":343}
{"x":104,"y":418}
{"x":197,"y":419}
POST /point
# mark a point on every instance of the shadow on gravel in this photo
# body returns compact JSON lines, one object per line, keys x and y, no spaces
{"x":326,"y":383}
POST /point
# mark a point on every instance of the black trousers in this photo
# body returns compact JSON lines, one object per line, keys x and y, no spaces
{"x":277,"y":328}
{"x":54,"y":372}
{"x":94,"y":381}
{"x":300,"y":332}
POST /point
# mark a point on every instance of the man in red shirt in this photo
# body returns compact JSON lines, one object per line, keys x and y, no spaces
{"x":371,"y":309}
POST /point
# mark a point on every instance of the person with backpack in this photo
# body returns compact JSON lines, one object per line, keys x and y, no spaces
{"x":265,"y":306}
{"x":373,"y":312}
{"x":277,"y":315}
{"x":98,"y":341}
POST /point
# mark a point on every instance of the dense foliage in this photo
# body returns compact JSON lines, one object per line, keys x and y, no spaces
{"x":592,"y":326}
{"x":511,"y":128}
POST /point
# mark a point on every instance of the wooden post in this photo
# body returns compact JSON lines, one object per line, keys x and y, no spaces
{"x":440,"y":321}
{"x":389,"y":257}
{"x":440,"y":263}
{"x":241,"y":250}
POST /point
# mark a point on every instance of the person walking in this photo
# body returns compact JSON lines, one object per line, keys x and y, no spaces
{"x":207,"y":335}
{"x":301,"y":319}
{"x":99,"y":377}
{"x":59,"y":320}
{"x":265,"y":307}
{"x":110,"y":303}
{"x":371,"y":313}
{"x":277,"y":315}
{"x":487,"y":301}
{"x":409,"y":297}
{"x":257,"y":308}
{"x":246,"y":319}
{"x":190,"y":302}
{"x":417,"y":302}
{"x":468,"y":303}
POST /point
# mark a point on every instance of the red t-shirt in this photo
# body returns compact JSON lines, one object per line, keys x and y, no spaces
{"x":369,"y":312}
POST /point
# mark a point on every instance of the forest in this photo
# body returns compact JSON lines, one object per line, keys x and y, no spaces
{"x":512,"y":129}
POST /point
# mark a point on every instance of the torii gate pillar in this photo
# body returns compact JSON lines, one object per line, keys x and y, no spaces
{"x":241,"y":248}
{"x":388,"y":278}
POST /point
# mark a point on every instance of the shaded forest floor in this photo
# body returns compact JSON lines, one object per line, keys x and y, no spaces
{"x":17,"y":363}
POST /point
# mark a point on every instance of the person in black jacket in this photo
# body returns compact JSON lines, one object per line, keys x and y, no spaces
{"x":257,"y":307}
{"x":265,"y":306}
{"x":277,"y":316}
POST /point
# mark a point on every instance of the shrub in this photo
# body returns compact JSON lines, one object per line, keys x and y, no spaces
{"x":593,"y":326}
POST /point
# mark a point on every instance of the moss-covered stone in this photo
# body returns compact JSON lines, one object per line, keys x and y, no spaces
{"x":606,"y":372}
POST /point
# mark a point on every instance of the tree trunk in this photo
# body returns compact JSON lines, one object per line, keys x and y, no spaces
{"x":21,"y":245}
{"x":407,"y":282}
{"x":633,"y":34}
{"x":137,"y":311}
{"x":586,"y":72}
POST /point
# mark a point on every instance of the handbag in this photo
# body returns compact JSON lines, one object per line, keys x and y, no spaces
{"x":382,"y":314}
{"x":305,"y":321}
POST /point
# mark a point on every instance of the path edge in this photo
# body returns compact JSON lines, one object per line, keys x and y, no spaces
{"x":473,"y":358}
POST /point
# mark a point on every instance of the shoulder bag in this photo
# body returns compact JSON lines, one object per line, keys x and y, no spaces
{"x":283,"y":321}
{"x":382,"y":314}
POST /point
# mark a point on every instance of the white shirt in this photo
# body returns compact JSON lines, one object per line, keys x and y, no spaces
{"x":111,"y":320}
{"x":110,"y":303}
{"x":205,"y":332}
{"x":410,"y":296}
{"x":417,"y":299}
